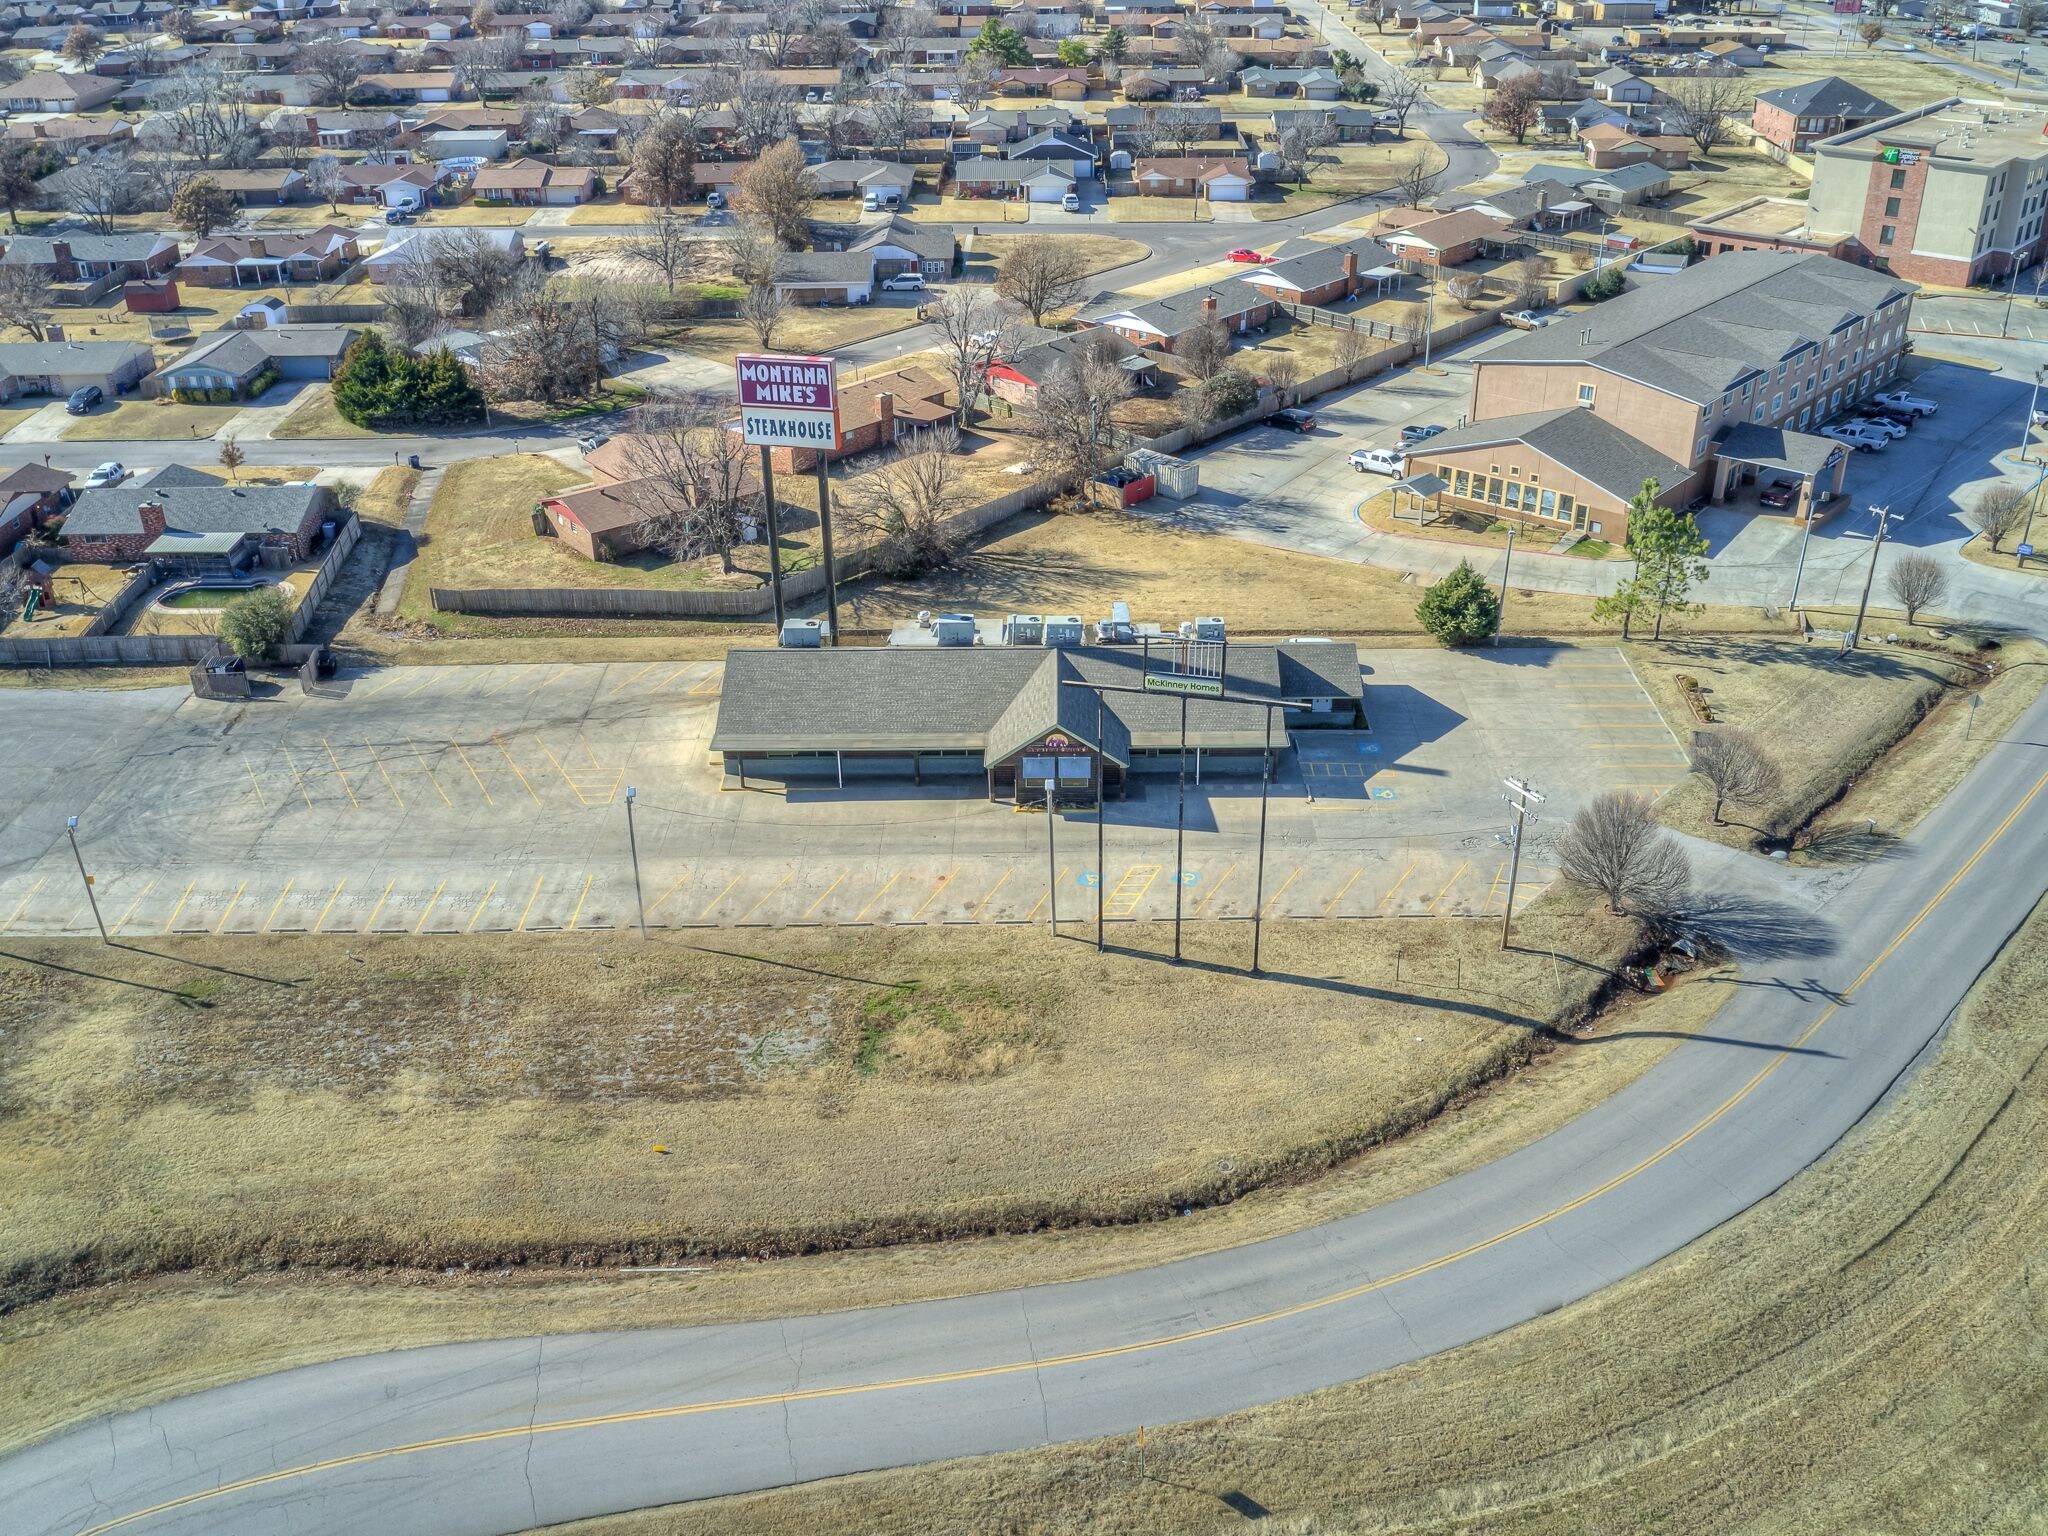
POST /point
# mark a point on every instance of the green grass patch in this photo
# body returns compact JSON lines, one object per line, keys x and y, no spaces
{"x":1591,"y":549}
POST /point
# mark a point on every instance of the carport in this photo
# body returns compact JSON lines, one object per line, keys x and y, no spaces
{"x":1743,"y":452}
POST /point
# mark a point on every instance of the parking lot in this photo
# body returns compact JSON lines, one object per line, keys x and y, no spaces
{"x":492,"y":799}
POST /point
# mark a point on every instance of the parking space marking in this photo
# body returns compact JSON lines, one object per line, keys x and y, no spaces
{"x":935,"y":893}
{"x":233,"y":901}
{"x":1395,"y":888}
{"x":171,"y":921}
{"x":507,"y":753}
{"x":711,"y":682}
{"x":472,"y":772}
{"x":31,"y":896}
{"x":388,"y":784}
{"x":1123,"y":901}
{"x":561,"y":770}
{"x":260,"y":801}
{"x":581,"y":897}
{"x":787,"y":876}
{"x":982,"y":905}
{"x":679,"y":671}
{"x":372,"y":923}
{"x":352,"y":800}
{"x":664,"y":896}
{"x":1343,"y":890}
{"x":298,"y":779}
{"x":1215,"y":889}
{"x":275,"y":906}
{"x":714,"y":901}
{"x":470,"y":926}
{"x":332,"y":896}
{"x":1274,"y":900}
{"x":629,"y":682}
{"x":508,"y":682}
{"x":1440,"y":895}
{"x":428,"y":769}
{"x":432,"y":902}
{"x":129,"y":911}
{"x":1057,"y":881}
{"x":827,"y":892}
{"x":1499,"y":875}
{"x":397,"y":676}
{"x":530,"y":900}
{"x":863,"y":912}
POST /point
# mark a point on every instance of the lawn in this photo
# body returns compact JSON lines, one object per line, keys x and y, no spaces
{"x":1727,"y":178}
{"x":14,"y":414}
{"x":1101,"y":253}
{"x":818,"y":331}
{"x":386,"y":498}
{"x":1489,"y":536}
{"x":1192,"y":277}
{"x":476,"y":215}
{"x":158,"y":420}
{"x":1158,"y":210}
{"x":82,"y":590}
{"x":315,"y":416}
{"x":1864,"y":1351}
{"x":611,"y":210}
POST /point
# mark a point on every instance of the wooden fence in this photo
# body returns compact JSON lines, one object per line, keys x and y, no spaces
{"x":335,"y":314}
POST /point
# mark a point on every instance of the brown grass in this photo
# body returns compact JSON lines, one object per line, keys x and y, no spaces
{"x":1101,"y":252}
{"x":387,"y":497}
{"x":150,"y":420}
{"x":1865,"y":1351}
{"x":821,"y":331}
{"x":490,"y":1101}
{"x":315,"y":416}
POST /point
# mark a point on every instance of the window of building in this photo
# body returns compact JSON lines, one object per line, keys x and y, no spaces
{"x":1884,"y":235}
{"x":1564,"y":506}
{"x":1579,"y":520}
{"x":1585,"y":394}
{"x":1548,"y":505}
{"x":1891,"y":207}
{"x":1594,"y":530}
{"x":1511,"y":496}
{"x":1781,"y":369}
{"x":1493,"y":489}
{"x":1777,"y":404}
{"x":1836,"y":403}
{"x":1514,"y":469}
{"x":1461,"y":483}
{"x":1699,"y":447}
{"x":1898,"y":180}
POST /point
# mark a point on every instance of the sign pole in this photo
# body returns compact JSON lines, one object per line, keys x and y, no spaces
{"x":774,"y":540}
{"x":1052,"y":887}
{"x":825,"y":546}
{"x":71,"y":831}
{"x":1863,"y":605}
{"x":633,"y":848}
{"x":1102,"y":808}
{"x":1259,"y":883}
{"x":1180,"y":826}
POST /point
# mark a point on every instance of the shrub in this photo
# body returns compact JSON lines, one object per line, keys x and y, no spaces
{"x":1230,"y":393}
{"x":262,"y":381}
{"x":221,"y":396}
{"x":1461,"y":609}
{"x":256,"y":623}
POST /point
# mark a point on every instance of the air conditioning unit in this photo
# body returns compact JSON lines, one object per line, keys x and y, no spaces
{"x":804,"y":634}
{"x":1208,"y":629}
{"x":1066,"y":630}
{"x":954,"y":628}
{"x":1024,"y":629}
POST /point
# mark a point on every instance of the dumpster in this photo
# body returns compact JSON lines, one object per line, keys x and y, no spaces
{"x":1177,"y":478}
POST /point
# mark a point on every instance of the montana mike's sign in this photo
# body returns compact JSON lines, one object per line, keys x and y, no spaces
{"x":788,"y":402}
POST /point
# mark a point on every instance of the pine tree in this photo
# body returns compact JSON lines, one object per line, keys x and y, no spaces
{"x":447,"y":393}
{"x":362,"y":385}
{"x":1461,"y":609}
{"x":1670,"y":554}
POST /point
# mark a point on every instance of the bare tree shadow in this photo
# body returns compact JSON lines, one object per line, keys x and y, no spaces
{"x":1848,"y":843}
{"x":1753,"y":928}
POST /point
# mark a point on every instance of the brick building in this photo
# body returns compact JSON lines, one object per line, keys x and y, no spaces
{"x":117,"y":525}
{"x":1816,"y":109}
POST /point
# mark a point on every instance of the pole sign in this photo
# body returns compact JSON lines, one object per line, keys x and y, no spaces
{"x":788,"y":402}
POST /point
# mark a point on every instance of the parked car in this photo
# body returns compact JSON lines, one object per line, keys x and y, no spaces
{"x":904,"y":282}
{"x":1862,"y":439}
{"x":109,"y":473}
{"x":1250,"y":256}
{"x":1890,"y":429}
{"x":1380,"y":461}
{"x":1292,"y":420}
{"x":714,"y":200}
{"x":2041,"y":418}
{"x":590,"y":442}
{"x":397,"y":216}
{"x":871,"y":204}
{"x":1525,"y":319}
{"x":84,"y":399}
{"x":1899,"y":400}
{"x":1071,"y":203}
{"x":1779,"y":494}
{"x":1889,"y":413}
{"x":1411,"y":435}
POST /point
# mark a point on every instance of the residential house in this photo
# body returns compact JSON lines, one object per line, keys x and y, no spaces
{"x":399,"y":252}
{"x":1349,"y":125}
{"x":416,"y":85}
{"x":394,"y":186}
{"x":45,"y":90}
{"x":857,"y":178}
{"x":466,"y":144}
{"x":875,"y":413}
{"x":1225,"y":180}
{"x":261,"y":261}
{"x":30,"y":495}
{"x":990,"y":177}
{"x":72,"y":135}
{"x":236,"y":360}
{"x":1316,"y":84}
{"x":1815,"y":109}
{"x":1070,"y":153}
{"x":1160,"y":323}
{"x":354,"y":130}
{"x":1037,"y":357}
{"x":88,"y":258}
{"x":1447,"y":239}
{"x":1609,"y":147}
{"x":896,"y":246}
{"x":61,"y":367}
{"x":274,"y":186}
{"x":1121,"y":122}
{"x":1617,"y":84}
{"x":1318,"y":275}
{"x":525,"y":182}
{"x":180,"y":512}
{"x":1060,"y":84}
{"x":825,"y":277}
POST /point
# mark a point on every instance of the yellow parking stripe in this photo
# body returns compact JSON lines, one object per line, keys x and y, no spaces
{"x":1274,"y":899}
{"x":332,"y":896}
{"x":129,"y":911}
{"x":31,"y":896}
{"x":470,"y":926}
{"x":428,"y":770}
{"x":935,"y":892}
{"x":265,"y":804}
{"x":274,"y":906}
{"x":232,"y":901}
{"x":352,"y":800}
{"x":387,"y":776}
{"x":431,"y":900}
{"x":629,"y":682}
{"x":507,"y":753}
{"x":472,"y":772}
{"x":372,"y":923}
{"x":822,"y":894}
{"x":1344,"y":890}
{"x":983,"y":903}
{"x":581,"y":897}
{"x":170,"y":922}
{"x":1440,"y":895}
{"x":1215,"y":890}
{"x":714,"y":901}
{"x":530,"y":900}
{"x":787,"y":876}
{"x":1395,"y":889}
{"x":669,"y":892}
{"x":298,"y":778}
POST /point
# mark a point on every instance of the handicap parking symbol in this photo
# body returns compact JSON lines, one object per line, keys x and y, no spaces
{"x":1187,"y":877}
{"x":1383,"y":794}
{"x":1369,"y":747}
{"x":1088,"y":879}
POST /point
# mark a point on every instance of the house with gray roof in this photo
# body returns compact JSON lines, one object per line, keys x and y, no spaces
{"x":181,"y":512}
{"x":237,"y":360}
{"x":1159,"y":323}
{"x":1319,"y":274}
{"x":1013,"y":715}
{"x":60,"y":367}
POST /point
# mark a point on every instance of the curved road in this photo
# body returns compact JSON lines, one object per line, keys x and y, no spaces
{"x":1847,"y":978}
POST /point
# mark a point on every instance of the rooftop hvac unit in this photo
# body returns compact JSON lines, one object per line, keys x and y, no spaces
{"x":1116,"y":629}
{"x":1024,"y":629}
{"x":803,"y":634}
{"x":1208,"y":629}
{"x":1067,"y":630}
{"x":954,"y":628}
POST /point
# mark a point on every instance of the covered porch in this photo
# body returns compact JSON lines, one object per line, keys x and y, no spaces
{"x":1816,"y":465}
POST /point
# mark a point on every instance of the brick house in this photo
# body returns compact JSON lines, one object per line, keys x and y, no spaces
{"x":533,"y":183}
{"x":1447,"y":239}
{"x":118,"y":525}
{"x":30,"y":495}
{"x":1160,"y":323}
{"x":84,"y":258}
{"x":1327,"y":274}
{"x":246,"y":261}
{"x":599,"y":522}
{"x":275,"y":186}
{"x":45,"y":90}
{"x":1816,"y":109}
{"x":1038,"y":357}
{"x":60,"y":367}
{"x":1609,"y":147}
{"x":1222,"y":180}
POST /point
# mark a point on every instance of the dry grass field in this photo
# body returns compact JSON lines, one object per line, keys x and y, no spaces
{"x":806,"y":329}
{"x":160,"y":420}
{"x":315,"y":416}
{"x":1102,"y":253}
{"x":1866,"y":1351}
{"x":233,"y":1105}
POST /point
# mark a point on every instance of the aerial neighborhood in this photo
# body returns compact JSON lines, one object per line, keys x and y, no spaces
{"x":1023,"y":765}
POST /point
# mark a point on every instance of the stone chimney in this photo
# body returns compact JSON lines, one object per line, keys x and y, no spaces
{"x":885,"y":413}
{"x":152,"y":515}
{"x":1351,"y":271}
{"x":1208,"y":306}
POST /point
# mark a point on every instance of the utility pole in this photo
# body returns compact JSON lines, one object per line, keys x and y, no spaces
{"x":1863,"y":606}
{"x":1259,"y":885}
{"x":1505,"y":566}
{"x":2033,"y":404}
{"x":1052,"y":890}
{"x":825,"y":549}
{"x":774,"y":541}
{"x":1101,"y":808}
{"x":71,"y":831}
{"x":1180,"y":826}
{"x":1805,"y":537}
{"x":633,"y":848}
{"x":1521,"y":797}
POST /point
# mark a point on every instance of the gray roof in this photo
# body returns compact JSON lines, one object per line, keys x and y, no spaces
{"x":1039,"y":352}
{"x":824,"y":267}
{"x":212,"y":507}
{"x":1629,"y":178}
{"x":1054,"y":140}
{"x":1829,"y":96}
{"x":996,"y":699}
{"x":862,"y":172}
{"x":179,"y":541}
{"x":39,"y":249}
{"x":1702,"y":331}
{"x":1564,"y":175}
{"x":933,"y":241}
{"x":30,"y":357}
{"x":238,"y":351}
{"x":1321,"y":264}
{"x":1802,"y":453}
{"x":1131,"y":117}
{"x":1581,"y":442}
{"x":1182,"y":311}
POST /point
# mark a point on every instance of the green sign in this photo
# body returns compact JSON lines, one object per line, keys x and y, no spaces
{"x":1891,"y":157}
{"x":1181,"y":682}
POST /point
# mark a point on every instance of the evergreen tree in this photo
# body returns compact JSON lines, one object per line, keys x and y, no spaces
{"x":1003,"y":44}
{"x":1670,"y":554}
{"x":447,"y":393}
{"x":362,"y":385}
{"x":1461,"y":609}
{"x":1114,"y":45}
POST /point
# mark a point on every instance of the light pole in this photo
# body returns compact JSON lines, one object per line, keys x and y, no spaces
{"x":1505,"y":566}
{"x":71,"y":831}
{"x":1521,"y":797}
{"x":1805,"y":538}
{"x":1052,"y":879}
{"x":633,"y":848}
{"x":1101,"y":809}
{"x":2033,"y":404}
{"x":1180,"y":827}
{"x":1863,"y":606}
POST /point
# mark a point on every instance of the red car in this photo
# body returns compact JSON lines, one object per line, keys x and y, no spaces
{"x":1252,"y":257}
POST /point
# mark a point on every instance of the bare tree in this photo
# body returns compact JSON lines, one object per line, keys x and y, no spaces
{"x":1514,"y":107}
{"x":1530,"y":282}
{"x":1706,"y":105}
{"x":323,"y":178}
{"x":667,"y":243}
{"x":692,"y":482}
{"x":762,"y":308}
{"x":1204,"y":350}
{"x":777,"y":190}
{"x":750,"y":251}
{"x":1414,"y":182}
{"x":977,"y":80}
{"x":1614,"y":846}
{"x":83,"y":45}
{"x":1400,"y":94}
{"x":1998,"y":511}
{"x":1917,"y":581}
{"x":478,"y":64}
{"x":764,"y":110}
{"x":1352,"y":347}
{"x":971,"y":323}
{"x":592,"y":88}
{"x":1282,"y":371}
{"x":905,"y":506}
{"x":334,"y":65}
{"x":1142,"y":138}
{"x":25,"y":299}
{"x":1736,"y":767}
{"x":664,"y":160}
{"x":1184,"y":127}
{"x":21,"y":163}
{"x":1871,"y":32}
{"x":413,"y":297}
{"x":209,"y":120}
{"x":232,"y":456}
{"x":472,"y":267}
{"x":101,"y":188}
{"x":1071,"y":413}
{"x":1042,"y":273}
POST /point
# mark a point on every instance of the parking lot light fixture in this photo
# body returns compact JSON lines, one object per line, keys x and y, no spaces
{"x":633,"y":849}
{"x":71,"y":831}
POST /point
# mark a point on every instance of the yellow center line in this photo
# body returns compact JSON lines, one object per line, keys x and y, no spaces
{"x":984,"y":900}
{"x":506,"y":752}
{"x":332,"y":896}
{"x":788,"y":875}
{"x":669,"y":892}
{"x":172,"y":921}
{"x":530,"y":900}
{"x":431,"y":900}
{"x":1218,"y":886}
{"x":129,"y":911}
{"x":260,"y":801}
{"x":629,"y":682}
{"x":1153,"y":1345}
{"x":23,"y":907}
{"x":1440,"y":895}
{"x":387,"y":775}
{"x":232,"y":901}
{"x":1274,"y":899}
{"x":935,"y":892}
{"x":558,"y":768}
{"x":714,"y":901}
{"x":298,"y":778}
{"x":1346,"y":888}
{"x":352,"y":800}
{"x":1395,"y":889}
{"x":472,"y":772}
{"x":428,"y":769}
{"x":372,"y":923}
{"x":274,"y":906}
{"x":470,"y":926}
{"x":581,"y":897}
